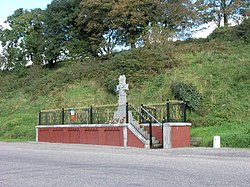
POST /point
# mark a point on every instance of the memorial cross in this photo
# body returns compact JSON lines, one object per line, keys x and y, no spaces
{"x":121,"y":88}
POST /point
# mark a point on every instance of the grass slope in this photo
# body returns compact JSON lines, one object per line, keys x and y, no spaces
{"x":219,"y":70}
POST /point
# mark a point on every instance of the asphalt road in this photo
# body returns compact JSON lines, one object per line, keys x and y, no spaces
{"x":42,"y":164}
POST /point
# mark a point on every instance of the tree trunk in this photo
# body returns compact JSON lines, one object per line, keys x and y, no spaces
{"x":224,"y":12}
{"x":133,"y":43}
{"x":225,"y":20}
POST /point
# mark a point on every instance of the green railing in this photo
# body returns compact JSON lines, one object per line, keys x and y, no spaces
{"x":159,"y":111}
{"x":171,"y":111}
{"x":176,"y":111}
{"x":103,"y":114}
{"x":51,"y":117}
{"x":88,"y":115}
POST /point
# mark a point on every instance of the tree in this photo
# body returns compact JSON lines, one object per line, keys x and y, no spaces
{"x":221,"y":10}
{"x":178,"y":16}
{"x":108,"y":23}
{"x":94,"y":25}
{"x":22,"y":42}
{"x":130,"y":18}
{"x":62,"y":37}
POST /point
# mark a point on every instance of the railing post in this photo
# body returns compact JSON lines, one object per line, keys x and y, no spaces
{"x":62,"y":116}
{"x":127,"y":120}
{"x":141,"y":116}
{"x":184,"y":112}
{"x":91,"y":115}
{"x":168,"y":111}
{"x":40,"y":118}
{"x":150,"y":132}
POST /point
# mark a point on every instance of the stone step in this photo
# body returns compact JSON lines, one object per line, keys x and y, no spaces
{"x":155,"y":141}
{"x":155,"y":146}
{"x":145,"y":133}
{"x":195,"y":141}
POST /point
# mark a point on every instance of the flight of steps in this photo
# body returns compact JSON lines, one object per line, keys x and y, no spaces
{"x":156,"y":143}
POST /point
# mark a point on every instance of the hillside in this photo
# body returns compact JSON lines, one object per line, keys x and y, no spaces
{"x":219,"y":70}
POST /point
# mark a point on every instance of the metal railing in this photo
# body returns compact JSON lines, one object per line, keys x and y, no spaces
{"x":103,"y":114}
{"x":137,"y":116}
{"x":150,"y":120}
{"x":51,"y":117}
{"x":87,"y":115}
{"x":172,"y":111}
{"x":176,"y":111}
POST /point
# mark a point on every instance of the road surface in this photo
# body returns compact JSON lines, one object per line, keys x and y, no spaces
{"x":44,"y":164}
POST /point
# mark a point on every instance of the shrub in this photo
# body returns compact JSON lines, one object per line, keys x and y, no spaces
{"x":139,"y":65}
{"x":243,"y":30}
{"x":223,"y":33}
{"x":188,"y":93}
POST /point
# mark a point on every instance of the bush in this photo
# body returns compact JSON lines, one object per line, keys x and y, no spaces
{"x":243,"y":30}
{"x":139,"y":65}
{"x":223,"y":33}
{"x":189,"y":94}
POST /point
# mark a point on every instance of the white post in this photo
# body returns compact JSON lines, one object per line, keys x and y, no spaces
{"x":216,"y":143}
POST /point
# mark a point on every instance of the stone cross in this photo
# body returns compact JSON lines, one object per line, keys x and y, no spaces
{"x":121,"y":88}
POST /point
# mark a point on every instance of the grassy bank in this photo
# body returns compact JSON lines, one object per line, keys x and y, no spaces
{"x":219,"y":70}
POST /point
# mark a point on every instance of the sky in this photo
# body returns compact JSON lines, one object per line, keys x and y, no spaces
{"x":7,"y":7}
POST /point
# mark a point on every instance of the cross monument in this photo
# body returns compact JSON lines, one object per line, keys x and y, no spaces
{"x":121,"y":88}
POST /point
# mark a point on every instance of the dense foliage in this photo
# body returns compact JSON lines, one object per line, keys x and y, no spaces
{"x":188,"y":93}
{"x":243,"y":30}
{"x":138,"y":65}
{"x":74,"y":29}
{"x":240,"y":32}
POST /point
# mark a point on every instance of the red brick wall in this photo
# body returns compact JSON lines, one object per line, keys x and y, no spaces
{"x":73,"y":135}
{"x":84,"y":135}
{"x":180,"y":136}
{"x":58,"y":135}
{"x":90,"y":136}
{"x":134,"y":141}
{"x":45,"y":135}
{"x":113,"y":136}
